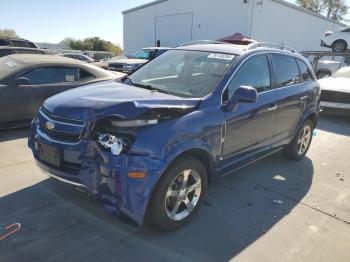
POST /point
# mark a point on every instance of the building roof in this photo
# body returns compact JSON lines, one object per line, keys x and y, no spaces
{"x":277,"y":1}
{"x":143,"y":6}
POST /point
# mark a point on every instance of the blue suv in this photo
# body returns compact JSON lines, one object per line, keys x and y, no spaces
{"x":148,"y":146}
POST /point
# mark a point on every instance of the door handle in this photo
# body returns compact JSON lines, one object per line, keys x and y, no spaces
{"x":272,"y":108}
{"x":303,"y":98}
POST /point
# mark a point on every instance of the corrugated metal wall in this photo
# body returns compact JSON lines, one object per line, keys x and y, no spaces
{"x":172,"y":30}
{"x":173,"y":21}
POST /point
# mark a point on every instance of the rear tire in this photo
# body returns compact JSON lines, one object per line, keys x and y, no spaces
{"x":175,"y":202}
{"x":298,"y":147}
{"x":339,"y":46}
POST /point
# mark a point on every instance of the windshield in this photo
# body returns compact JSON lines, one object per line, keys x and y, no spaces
{"x":8,"y":66}
{"x":142,"y":54}
{"x":184,"y":73}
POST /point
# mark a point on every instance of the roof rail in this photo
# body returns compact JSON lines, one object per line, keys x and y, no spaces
{"x":270,"y":45}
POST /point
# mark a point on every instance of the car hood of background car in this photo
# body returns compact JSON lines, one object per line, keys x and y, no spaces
{"x":111,"y":98}
{"x":337,"y":84}
{"x":129,"y":61}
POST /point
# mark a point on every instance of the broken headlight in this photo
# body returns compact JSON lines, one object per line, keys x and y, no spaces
{"x":114,"y":144}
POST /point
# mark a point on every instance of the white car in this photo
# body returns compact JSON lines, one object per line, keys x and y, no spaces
{"x":328,"y":65}
{"x":335,"y":91}
{"x":338,"y":40}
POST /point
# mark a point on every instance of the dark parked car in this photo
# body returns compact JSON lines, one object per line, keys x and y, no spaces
{"x":80,"y":57}
{"x":17,"y":42}
{"x":196,"y":113}
{"x":132,"y":63}
{"x":10,"y":50}
{"x":27,"y":80}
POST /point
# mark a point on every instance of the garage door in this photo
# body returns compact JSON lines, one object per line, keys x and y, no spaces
{"x":173,"y":30}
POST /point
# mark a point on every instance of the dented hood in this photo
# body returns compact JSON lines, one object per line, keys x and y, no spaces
{"x":105,"y":98}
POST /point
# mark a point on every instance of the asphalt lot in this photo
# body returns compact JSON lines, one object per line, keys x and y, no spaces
{"x":273,"y":210}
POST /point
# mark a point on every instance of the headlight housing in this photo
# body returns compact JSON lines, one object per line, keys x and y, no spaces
{"x":113,"y":144}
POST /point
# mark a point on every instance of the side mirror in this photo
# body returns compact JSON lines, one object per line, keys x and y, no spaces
{"x":22,"y":81}
{"x":244,"y":94}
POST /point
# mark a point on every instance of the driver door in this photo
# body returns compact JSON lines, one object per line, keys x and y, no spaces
{"x":252,"y":125}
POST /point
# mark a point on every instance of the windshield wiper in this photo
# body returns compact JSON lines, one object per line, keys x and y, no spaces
{"x":129,"y":80}
{"x":152,"y":88}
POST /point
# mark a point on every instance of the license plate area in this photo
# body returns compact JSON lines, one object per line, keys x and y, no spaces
{"x":50,"y":154}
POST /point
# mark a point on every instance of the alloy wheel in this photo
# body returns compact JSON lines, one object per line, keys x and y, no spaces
{"x":183,"y":194}
{"x":304,"y":139}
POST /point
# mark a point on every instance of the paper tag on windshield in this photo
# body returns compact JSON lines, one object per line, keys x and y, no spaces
{"x":11,"y":64}
{"x":69,"y":78}
{"x":221,"y":56}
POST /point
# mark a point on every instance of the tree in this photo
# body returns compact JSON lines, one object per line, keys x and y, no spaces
{"x":333,"y":9}
{"x":8,"y":33}
{"x":92,"y":44}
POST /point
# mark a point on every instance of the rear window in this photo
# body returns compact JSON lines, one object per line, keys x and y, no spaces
{"x":304,"y":71}
{"x":20,"y":43}
{"x":286,"y":70}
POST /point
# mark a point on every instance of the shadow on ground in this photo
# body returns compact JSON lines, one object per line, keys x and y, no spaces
{"x":13,"y":134}
{"x":61,"y":224}
{"x":335,"y":124}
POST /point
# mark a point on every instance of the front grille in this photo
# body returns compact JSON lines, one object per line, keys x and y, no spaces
{"x":65,"y":130}
{"x":336,"y":97}
{"x":61,"y":119}
{"x":63,"y":136}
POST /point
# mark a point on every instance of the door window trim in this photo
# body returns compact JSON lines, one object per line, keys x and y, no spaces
{"x":274,"y":81}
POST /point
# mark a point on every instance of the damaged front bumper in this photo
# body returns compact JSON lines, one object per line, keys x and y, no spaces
{"x":104,"y":175}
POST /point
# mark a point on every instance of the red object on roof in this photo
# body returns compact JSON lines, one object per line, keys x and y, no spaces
{"x":237,"y":38}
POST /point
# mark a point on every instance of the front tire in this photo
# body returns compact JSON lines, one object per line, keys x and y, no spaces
{"x":298,"y":147}
{"x":178,"y":194}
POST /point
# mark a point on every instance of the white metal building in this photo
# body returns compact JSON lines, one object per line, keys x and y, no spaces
{"x":176,"y":21}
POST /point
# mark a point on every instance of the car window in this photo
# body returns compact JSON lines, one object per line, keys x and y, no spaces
{"x":50,"y":75}
{"x":160,"y":51}
{"x":3,"y":42}
{"x":304,"y":71}
{"x":142,"y":54}
{"x":286,"y":70}
{"x":255,"y":73}
{"x":346,"y":30}
{"x":4,"y":52}
{"x":23,"y":43}
{"x":85,"y":75}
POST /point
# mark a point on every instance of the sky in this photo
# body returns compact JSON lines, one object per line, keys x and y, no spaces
{"x":53,"y":20}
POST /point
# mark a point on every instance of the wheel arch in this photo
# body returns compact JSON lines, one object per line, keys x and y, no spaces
{"x":342,"y":40}
{"x":313,"y":117}
{"x":198,"y":153}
